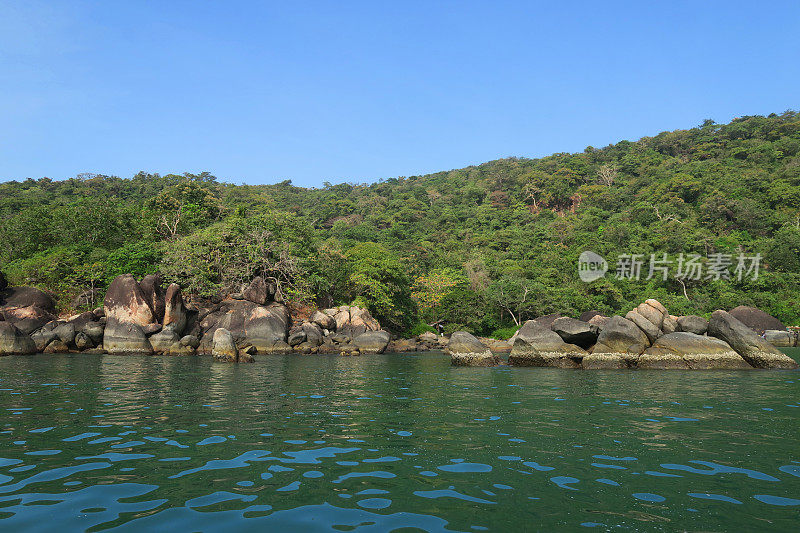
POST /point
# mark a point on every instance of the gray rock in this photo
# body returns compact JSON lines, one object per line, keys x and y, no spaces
{"x":125,"y":338}
{"x":65,"y":331}
{"x":670,"y":324}
{"x":323,"y":320}
{"x":756,"y":319}
{"x":163,"y":341}
{"x":536,"y":345}
{"x":13,"y":341}
{"x":296,"y":336}
{"x":151,"y":329}
{"x":649,"y":329}
{"x":651,"y":313}
{"x":83,"y":342}
{"x":94,"y":330}
{"x":755,"y":350}
{"x":574,"y":331}
{"x":547,"y":320}
{"x":779,"y":339}
{"x":266,"y":328}
{"x":618,"y":345}
{"x":693,"y":324}
{"x":313,"y":333}
{"x":600,"y":321}
{"x":190,"y":340}
{"x":466,"y":350}
{"x":175,"y":315}
{"x":372,"y":341}
{"x":154,"y":295}
{"x":689,"y":351}
{"x":224,"y":347}
{"x":258,"y":291}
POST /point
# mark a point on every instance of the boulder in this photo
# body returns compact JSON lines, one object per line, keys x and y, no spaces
{"x":324,"y":321}
{"x":600,"y":321}
{"x":94,"y":330}
{"x":352,"y":321}
{"x":259,"y":291}
{"x":127,"y":303}
{"x":44,"y":336}
{"x":163,"y":341}
{"x":151,"y":329}
{"x":191,"y":341}
{"x":314,"y":334}
{"x":266,"y":328}
{"x":653,"y":314}
{"x":175,"y":314}
{"x":28,"y":308}
{"x":401,"y":346}
{"x":372,"y":341}
{"x":13,"y":341}
{"x":154,"y":295}
{"x":428,"y":336}
{"x":650,"y":330}
{"x":576,"y":332}
{"x":125,"y":338}
{"x":692,"y":324}
{"x":547,"y":320}
{"x":779,"y":339}
{"x":296,"y":336}
{"x":57,"y":346}
{"x":83,"y":341}
{"x":586,"y":316}
{"x":466,"y":350}
{"x":224,"y":347}
{"x":618,"y":345}
{"x":497,"y":346}
{"x":670,"y":324}
{"x":756,"y":319}
{"x":755,"y":350}
{"x":536,"y":345}
{"x":689,"y":351}
{"x":65,"y":331}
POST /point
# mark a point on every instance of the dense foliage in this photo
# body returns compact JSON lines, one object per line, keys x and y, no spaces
{"x":479,"y":248}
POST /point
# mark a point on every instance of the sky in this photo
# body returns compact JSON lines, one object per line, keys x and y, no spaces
{"x":261,"y":92}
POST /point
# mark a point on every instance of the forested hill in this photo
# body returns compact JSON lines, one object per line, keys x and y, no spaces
{"x":481,"y":247}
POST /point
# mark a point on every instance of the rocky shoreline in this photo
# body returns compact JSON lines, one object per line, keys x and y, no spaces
{"x":141,"y":318}
{"x":647,"y":337}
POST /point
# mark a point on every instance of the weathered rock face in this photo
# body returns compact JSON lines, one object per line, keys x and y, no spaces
{"x":755,"y":350}
{"x":126,"y":302}
{"x":586,"y":316}
{"x":125,"y":338}
{"x":224,"y":347}
{"x":352,"y":320}
{"x":618,"y":345}
{"x":13,"y":341}
{"x":779,"y":339}
{"x":689,"y":351}
{"x":576,"y":332}
{"x":175,"y":315}
{"x":466,"y":350}
{"x":264,"y":328}
{"x":259,"y":291}
{"x":651,"y":330}
{"x":372,"y":341}
{"x":756,"y":319}
{"x":324,"y":321}
{"x":600,"y":321}
{"x":536,"y":345}
{"x":154,"y":295}
{"x":692,"y":324}
{"x":27,"y":308}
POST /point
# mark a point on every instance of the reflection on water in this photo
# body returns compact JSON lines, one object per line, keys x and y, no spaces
{"x":377,"y":443}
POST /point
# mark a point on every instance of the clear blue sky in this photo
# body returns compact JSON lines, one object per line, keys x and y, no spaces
{"x":259,"y":92}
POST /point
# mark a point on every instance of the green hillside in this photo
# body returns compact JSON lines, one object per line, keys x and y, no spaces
{"x":481,"y":247}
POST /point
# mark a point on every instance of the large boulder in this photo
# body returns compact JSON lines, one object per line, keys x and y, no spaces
{"x":574,"y":331}
{"x":755,"y":350}
{"x":224,"y":347}
{"x":266,"y":328}
{"x":13,"y":341}
{"x":259,"y":291}
{"x":353,"y":320}
{"x":127,"y":303}
{"x":372,"y":341}
{"x":779,"y":339}
{"x":651,"y":330}
{"x":618,"y":345}
{"x":689,"y":351}
{"x":693,"y":324}
{"x":536,"y":345}
{"x":154,"y":294}
{"x":125,"y":338}
{"x":175,"y":315}
{"x":323,"y":320}
{"x":466,"y":350}
{"x":28,"y":308}
{"x":756,"y":319}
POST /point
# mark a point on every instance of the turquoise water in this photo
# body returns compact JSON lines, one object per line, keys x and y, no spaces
{"x":391,"y":442}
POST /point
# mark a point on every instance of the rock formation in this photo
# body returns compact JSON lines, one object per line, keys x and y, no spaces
{"x":466,"y":350}
{"x":536,"y":345}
